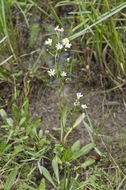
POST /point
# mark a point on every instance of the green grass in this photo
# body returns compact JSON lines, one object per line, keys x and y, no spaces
{"x":99,"y":25}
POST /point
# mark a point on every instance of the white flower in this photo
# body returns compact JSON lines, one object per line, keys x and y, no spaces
{"x":76,"y":103}
{"x":84,"y":106}
{"x":79,"y":95}
{"x":68,"y":45}
{"x":63,"y":74}
{"x":65,"y":41}
{"x":46,"y":131}
{"x":61,"y":30}
{"x":51,"y":72}
{"x":57,"y":29}
{"x":68,"y":59}
{"x":48,"y":42}
{"x":59,"y":46}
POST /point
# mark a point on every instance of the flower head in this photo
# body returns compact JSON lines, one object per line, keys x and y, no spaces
{"x":63,"y":74}
{"x":57,"y":29}
{"x":65,"y":41}
{"x":68,"y":45}
{"x":51,"y":72}
{"x":84,"y":106}
{"x":76,"y":103}
{"x":59,"y":46}
{"x":79,"y":95}
{"x":48,"y":42}
{"x":68,"y":59}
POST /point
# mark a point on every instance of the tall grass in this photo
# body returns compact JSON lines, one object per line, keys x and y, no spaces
{"x":101,"y":24}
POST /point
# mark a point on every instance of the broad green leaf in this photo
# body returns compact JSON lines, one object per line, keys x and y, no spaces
{"x":16,"y":112}
{"x":76,"y":146}
{"x":90,"y":130}
{"x":86,"y":149}
{"x":3,"y":114}
{"x":23,"y":119}
{"x":64,"y":116}
{"x":46,"y":174}
{"x":87,"y":163}
{"x":25,"y":105}
{"x":18,"y":149}
{"x":10,"y":122}
{"x":74,"y":184}
{"x":3,"y":146}
{"x":42,"y":185}
{"x":58,"y":159}
{"x":10,"y":180}
{"x":36,"y":122}
{"x":77,"y":122}
{"x":55,"y":169}
{"x":40,"y":133}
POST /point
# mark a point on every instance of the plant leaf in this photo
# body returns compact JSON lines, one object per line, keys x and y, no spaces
{"x":77,"y":122}
{"x":42,"y":185}
{"x":3,"y":113}
{"x":16,"y":112}
{"x":23,"y":119}
{"x":76,"y":146}
{"x":46,"y":174}
{"x":3,"y":146}
{"x":10,"y":179}
{"x":83,"y":151}
{"x":55,"y":169}
{"x":87,"y":163}
{"x":10,"y":122}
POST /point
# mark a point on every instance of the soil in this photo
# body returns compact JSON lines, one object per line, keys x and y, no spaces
{"x":107,"y":112}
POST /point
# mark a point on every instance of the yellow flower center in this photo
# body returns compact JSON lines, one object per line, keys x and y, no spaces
{"x":66,"y":39}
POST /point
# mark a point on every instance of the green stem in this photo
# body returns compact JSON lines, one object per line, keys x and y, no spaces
{"x":58,"y":96}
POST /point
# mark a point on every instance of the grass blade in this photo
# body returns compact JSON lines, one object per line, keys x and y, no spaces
{"x":103,"y":17}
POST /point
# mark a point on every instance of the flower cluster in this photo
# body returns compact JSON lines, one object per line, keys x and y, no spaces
{"x":52,"y":72}
{"x":77,"y":102}
{"x":64,"y":44}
